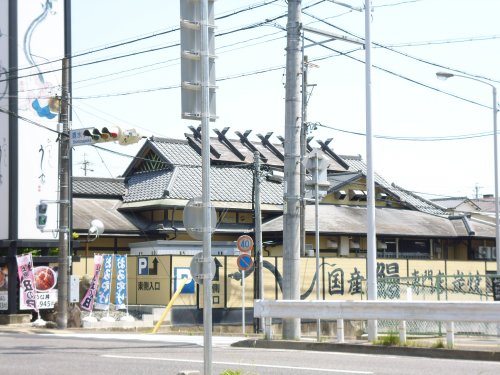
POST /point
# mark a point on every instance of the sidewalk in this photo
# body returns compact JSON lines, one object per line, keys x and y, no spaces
{"x":466,"y":347}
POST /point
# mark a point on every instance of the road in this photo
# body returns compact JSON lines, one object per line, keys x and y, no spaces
{"x":121,"y":354}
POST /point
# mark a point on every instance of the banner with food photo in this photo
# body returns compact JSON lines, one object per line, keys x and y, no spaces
{"x":27,"y":291}
{"x":45,"y":285}
{"x":4,"y":287}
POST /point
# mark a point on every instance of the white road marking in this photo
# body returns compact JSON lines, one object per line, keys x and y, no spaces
{"x":308,"y":369}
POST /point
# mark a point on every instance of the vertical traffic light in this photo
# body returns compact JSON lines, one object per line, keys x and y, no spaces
{"x":41,"y":215}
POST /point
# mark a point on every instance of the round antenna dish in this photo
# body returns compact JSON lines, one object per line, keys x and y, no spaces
{"x":96,"y":227}
{"x":193,"y":218}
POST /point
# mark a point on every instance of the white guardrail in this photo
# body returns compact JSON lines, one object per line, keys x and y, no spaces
{"x":445,"y":311}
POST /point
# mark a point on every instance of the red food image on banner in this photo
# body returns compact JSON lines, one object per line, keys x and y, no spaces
{"x":45,"y":278}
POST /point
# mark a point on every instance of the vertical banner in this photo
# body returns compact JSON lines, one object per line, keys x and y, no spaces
{"x":87,"y":302}
{"x":40,"y":48}
{"x":103,"y":295}
{"x":121,"y":282}
{"x":26,"y":282}
{"x":4,"y":129}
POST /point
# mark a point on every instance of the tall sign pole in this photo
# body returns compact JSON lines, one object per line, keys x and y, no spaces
{"x":371,"y":236}
{"x":64,"y":169}
{"x":291,"y":204}
{"x":198,"y":103}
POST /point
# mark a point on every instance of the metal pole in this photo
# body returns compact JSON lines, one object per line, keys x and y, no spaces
{"x":495,"y":141}
{"x":258,"y":233}
{"x":205,"y":182}
{"x":446,"y":75}
{"x":371,"y":268}
{"x":62,"y":294}
{"x":291,"y":204}
{"x":316,"y":222}
{"x":243,"y":301}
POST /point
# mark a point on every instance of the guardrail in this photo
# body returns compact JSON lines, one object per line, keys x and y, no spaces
{"x":446,"y":311}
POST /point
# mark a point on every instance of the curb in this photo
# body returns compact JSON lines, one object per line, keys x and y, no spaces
{"x":474,"y":355}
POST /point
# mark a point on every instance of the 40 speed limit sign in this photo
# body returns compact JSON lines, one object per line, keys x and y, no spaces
{"x":244,"y":243}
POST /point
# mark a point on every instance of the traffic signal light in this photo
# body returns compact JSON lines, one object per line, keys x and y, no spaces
{"x":41,"y":215}
{"x":111,"y":134}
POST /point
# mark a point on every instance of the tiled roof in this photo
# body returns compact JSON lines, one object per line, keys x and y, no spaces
{"x":229,"y":184}
{"x":405,"y":196}
{"x":336,"y":220}
{"x":98,"y":187}
{"x":177,"y":152}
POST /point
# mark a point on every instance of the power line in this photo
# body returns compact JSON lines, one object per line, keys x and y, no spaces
{"x":407,"y":138}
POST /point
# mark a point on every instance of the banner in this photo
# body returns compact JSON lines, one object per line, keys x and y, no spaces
{"x":26,"y":281}
{"x":103,"y":295}
{"x":121,"y":282}
{"x":87,"y":302}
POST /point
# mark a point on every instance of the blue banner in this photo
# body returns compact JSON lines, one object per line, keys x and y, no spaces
{"x":121,"y":282}
{"x":103,"y":295}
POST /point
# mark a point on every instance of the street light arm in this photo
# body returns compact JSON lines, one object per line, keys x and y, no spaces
{"x":446,"y":75}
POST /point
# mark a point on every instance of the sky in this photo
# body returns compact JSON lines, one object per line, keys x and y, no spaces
{"x":432,"y":137}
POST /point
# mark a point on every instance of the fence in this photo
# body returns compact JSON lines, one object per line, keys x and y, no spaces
{"x":458,"y":287}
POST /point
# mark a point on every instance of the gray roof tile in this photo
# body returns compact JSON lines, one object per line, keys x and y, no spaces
{"x":98,"y":186}
{"x":227,"y":184}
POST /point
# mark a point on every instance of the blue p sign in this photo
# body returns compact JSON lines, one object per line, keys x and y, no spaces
{"x":142,"y":266}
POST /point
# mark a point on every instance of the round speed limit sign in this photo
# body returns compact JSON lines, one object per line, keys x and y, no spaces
{"x":244,"y":243}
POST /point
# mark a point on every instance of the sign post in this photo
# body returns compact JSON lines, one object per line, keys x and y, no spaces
{"x":244,"y":262}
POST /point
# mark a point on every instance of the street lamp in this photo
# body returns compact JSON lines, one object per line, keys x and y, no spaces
{"x":446,"y":75}
{"x":95,"y":230}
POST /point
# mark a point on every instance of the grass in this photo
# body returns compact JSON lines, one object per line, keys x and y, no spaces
{"x":391,"y":339}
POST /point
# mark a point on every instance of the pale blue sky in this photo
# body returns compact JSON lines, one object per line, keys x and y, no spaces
{"x":457,"y":34}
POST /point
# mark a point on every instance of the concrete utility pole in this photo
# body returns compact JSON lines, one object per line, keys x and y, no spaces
{"x":371,"y":235}
{"x":303,"y":137}
{"x":258,"y":235}
{"x":291,"y":204}
{"x":64,"y":178}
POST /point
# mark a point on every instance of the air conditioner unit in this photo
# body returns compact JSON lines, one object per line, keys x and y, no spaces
{"x":483,"y":252}
{"x":381,"y":245}
{"x":354,"y":244}
{"x":332,"y":244}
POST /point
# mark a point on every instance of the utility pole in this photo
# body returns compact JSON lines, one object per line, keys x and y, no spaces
{"x":258,"y":235}
{"x":85,"y":165}
{"x":64,"y":165}
{"x":303,"y":136}
{"x":291,"y":204}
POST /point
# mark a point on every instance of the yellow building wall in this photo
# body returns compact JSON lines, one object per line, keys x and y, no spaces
{"x":152,"y":280}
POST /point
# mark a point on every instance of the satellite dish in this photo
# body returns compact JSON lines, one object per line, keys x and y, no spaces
{"x":193,"y":218}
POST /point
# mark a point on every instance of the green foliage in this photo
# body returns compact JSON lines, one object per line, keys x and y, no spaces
{"x":231,"y":372}
{"x":391,"y":339}
{"x":438,"y":345}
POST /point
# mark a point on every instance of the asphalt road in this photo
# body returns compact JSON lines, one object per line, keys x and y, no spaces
{"x":122,"y":354}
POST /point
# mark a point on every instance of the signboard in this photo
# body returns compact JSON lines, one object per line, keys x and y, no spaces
{"x":196,"y":268}
{"x":78,"y":139}
{"x":4,"y":128}
{"x":244,"y":243}
{"x":39,"y":48}
{"x":244,"y":262}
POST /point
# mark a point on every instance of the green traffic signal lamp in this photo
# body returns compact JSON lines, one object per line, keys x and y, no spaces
{"x":41,"y":215}
{"x":95,"y":134}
